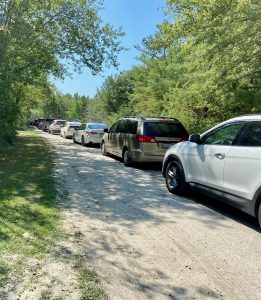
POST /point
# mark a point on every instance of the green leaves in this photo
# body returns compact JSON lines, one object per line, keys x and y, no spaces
{"x":37,"y":39}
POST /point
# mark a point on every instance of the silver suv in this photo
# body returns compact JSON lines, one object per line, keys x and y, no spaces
{"x":142,"y":139}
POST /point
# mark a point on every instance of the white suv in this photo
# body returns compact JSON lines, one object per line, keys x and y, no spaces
{"x":55,"y":127}
{"x":224,"y":162}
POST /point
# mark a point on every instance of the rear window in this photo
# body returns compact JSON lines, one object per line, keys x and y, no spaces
{"x":74,"y":126}
{"x":60,"y":122}
{"x":97,"y":126}
{"x":164,"y":129}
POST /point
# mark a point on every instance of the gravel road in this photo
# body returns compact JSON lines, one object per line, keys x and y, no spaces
{"x":148,"y":244}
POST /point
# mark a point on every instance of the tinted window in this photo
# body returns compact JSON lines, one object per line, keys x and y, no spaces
{"x":252,"y":136}
{"x":60,"y":122}
{"x":122,"y":128}
{"x":224,"y":135}
{"x":114,"y":127}
{"x":164,"y":129}
{"x":131,"y":126}
{"x":97,"y":126}
{"x":82,"y":126}
{"x":74,"y":126}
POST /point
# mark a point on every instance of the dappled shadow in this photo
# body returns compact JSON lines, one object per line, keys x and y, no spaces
{"x":110,"y":203}
{"x":109,"y":188}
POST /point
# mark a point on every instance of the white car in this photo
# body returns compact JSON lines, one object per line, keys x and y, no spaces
{"x":55,"y":127}
{"x":224,"y":162}
{"x":68,"y":129}
{"x":89,"y":133}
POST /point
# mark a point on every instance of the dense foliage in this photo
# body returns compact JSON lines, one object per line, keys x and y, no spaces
{"x":201,"y":66}
{"x":37,"y":37}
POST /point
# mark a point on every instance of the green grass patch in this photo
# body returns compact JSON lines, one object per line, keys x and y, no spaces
{"x":29,"y":219}
{"x":89,"y":282}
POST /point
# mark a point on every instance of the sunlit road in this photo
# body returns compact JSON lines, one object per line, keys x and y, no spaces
{"x":148,"y":244}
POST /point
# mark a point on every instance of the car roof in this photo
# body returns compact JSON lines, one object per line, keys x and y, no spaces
{"x":249,"y":118}
{"x":246,"y":118}
{"x":59,"y":120}
{"x":95,"y":123}
{"x":74,"y":123}
{"x":150,"y":118}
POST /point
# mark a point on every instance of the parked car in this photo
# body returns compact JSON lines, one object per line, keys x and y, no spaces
{"x":224,"y":162}
{"x":89,"y":133}
{"x":46,"y":123}
{"x":142,"y":139}
{"x":55,"y":127}
{"x":69,"y":128}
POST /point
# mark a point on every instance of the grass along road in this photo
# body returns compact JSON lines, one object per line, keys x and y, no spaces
{"x":32,"y":260}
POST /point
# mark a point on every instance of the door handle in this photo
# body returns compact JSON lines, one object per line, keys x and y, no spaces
{"x":220,"y":155}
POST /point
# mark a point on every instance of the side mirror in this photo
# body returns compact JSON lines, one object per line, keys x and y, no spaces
{"x":195,"y":138}
{"x":106,"y":130}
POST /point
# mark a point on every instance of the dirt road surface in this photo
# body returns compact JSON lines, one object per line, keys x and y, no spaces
{"x":145,"y":243}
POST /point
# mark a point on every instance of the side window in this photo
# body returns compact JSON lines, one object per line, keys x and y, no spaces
{"x":252,"y":136}
{"x":131,"y":127}
{"x":82,"y":127}
{"x":224,"y":135}
{"x":122,"y":128}
{"x":113,"y":128}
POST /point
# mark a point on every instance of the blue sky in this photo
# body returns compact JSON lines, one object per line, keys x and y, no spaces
{"x":138,"y":19}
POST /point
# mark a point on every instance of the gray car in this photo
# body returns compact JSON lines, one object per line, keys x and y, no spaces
{"x":142,"y":139}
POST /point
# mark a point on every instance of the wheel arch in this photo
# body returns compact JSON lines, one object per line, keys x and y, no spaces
{"x":170,"y":158}
{"x":257,"y":201}
{"x":123,"y":149}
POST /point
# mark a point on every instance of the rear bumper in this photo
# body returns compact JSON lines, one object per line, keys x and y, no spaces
{"x":56,"y":130}
{"x":140,"y":156}
{"x":94,"y":140}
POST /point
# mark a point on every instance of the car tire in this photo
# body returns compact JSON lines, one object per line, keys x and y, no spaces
{"x":103,"y":149}
{"x":259,"y":215}
{"x":175,"y":178}
{"x":73,"y":138}
{"x":83,"y":142}
{"x":127,"y":158}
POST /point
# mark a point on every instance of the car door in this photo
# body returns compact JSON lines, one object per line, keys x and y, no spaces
{"x":120,"y":138}
{"x":205,"y":161}
{"x":79,"y":132}
{"x":242,"y":171}
{"x":111,"y":141}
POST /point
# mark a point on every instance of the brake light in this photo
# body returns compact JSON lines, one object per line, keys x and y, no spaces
{"x":145,"y":139}
{"x":91,"y":132}
{"x":183,"y":139}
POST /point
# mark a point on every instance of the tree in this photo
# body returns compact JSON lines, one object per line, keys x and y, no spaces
{"x":38,"y":37}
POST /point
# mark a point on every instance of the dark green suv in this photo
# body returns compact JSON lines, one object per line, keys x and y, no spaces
{"x":142,"y":139}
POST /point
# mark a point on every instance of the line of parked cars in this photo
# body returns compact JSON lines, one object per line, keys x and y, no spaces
{"x":224,"y":162}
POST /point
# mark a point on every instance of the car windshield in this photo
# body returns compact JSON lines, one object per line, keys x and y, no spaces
{"x":97,"y":126}
{"x":164,"y":129}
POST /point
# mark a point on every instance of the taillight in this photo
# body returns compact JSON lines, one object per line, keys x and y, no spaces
{"x":91,"y":132}
{"x":183,"y":139}
{"x":145,"y":139}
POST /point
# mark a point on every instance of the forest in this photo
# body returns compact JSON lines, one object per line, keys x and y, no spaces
{"x":201,"y":66}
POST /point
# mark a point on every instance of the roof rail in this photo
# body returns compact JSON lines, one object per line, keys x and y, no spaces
{"x":151,"y":117}
{"x":162,"y":117}
{"x":137,"y":117}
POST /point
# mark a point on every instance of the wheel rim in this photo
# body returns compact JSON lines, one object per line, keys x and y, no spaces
{"x":173,"y":177}
{"x":126,"y":157}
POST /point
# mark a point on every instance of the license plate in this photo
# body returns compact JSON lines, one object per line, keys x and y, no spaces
{"x":166,"y":145}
